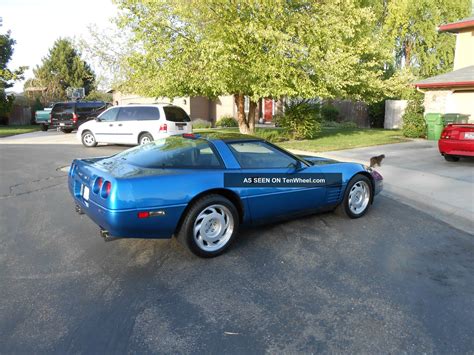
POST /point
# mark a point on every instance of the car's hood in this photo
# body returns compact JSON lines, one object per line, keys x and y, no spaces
{"x":318,"y":160}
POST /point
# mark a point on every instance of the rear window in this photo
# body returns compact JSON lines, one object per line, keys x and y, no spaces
{"x":176,"y":114}
{"x":63,"y":108}
{"x":173,"y":152}
{"x":138,"y":114}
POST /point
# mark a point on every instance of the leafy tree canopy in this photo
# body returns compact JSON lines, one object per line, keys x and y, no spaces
{"x":7,"y":76}
{"x":410,"y":31}
{"x":252,"y":48}
{"x":60,"y":69}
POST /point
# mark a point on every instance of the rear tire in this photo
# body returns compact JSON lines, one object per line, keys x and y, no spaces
{"x":88,"y":139}
{"x":145,"y":138}
{"x":44,"y":127}
{"x":66,"y":130}
{"x":357,"y":197}
{"x":448,"y":157}
{"x":209,"y":226}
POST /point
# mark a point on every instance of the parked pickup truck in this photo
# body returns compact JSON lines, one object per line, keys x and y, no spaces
{"x":68,"y":116}
{"x":43,"y":118}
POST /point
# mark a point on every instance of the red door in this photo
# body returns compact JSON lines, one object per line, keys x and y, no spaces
{"x":268,"y":110}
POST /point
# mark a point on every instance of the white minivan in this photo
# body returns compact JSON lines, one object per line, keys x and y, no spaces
{"x":134,"y":124}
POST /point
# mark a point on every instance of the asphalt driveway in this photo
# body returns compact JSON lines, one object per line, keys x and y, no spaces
{"x":397,"y":280}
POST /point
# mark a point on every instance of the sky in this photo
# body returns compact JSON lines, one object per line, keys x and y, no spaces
{"x":35,"y":25}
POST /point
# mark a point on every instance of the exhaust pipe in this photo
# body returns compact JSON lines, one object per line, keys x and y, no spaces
{"x":106,"y":236}
{"x":79,"y":210}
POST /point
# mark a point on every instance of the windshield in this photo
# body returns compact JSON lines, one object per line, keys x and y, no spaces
{"x":173,"y":152}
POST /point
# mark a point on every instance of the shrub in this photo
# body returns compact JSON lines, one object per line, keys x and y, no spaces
{"x":272,"y":135}
{"x":348,"y":124}
{"x":343,"y":124}
{"x":302,"y":120}
{"x":329,"y":112}
{"x":201,"y":124}
{"x":227,"y":121}
{"x":413,"y":121}
{"x":377,"y":114}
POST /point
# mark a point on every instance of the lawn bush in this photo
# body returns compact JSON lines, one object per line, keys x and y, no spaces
{"x":302,"y":120}
{"x":227,"y":121}
{"x":329,"y":112}
{"x":272,"y":135}
{"x":343,"y":124}
{"x":413,"y":121}
{"x":201,"y":124}
{"x":377,"y":114}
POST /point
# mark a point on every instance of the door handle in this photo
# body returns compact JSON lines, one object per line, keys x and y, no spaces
{"x":120,"y":125}
{"x":111,"y":125}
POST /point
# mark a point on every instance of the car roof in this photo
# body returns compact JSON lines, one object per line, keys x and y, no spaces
{"x":154,"y":104}
{"x":78,"y":102}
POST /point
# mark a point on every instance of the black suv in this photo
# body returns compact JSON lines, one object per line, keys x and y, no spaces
{"x":68,"y":116}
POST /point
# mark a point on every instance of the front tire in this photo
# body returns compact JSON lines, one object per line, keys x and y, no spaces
{"x":66,"y":130}
{"x":451,"y":158}
{"x":88,"y":139}
{"x":209,"y":226}
{"x":145,"y":138}
{"x":357,"y":197}
{"x":44,"y":127}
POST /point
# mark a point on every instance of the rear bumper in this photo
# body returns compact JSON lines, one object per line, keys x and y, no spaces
{"x":66,"y":125}
{"x":456,"y":147}
{"x":125,"y":223}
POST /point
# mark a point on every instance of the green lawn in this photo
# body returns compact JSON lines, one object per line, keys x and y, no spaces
{"x":333,"y":138}
{"x":12,"y":130}
{"x":337,"y":139}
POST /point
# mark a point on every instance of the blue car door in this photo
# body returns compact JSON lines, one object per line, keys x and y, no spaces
{"x":258,"y":158}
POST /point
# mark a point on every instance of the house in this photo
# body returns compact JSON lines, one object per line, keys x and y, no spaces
{"x":200,"y":107}
{"x":453,"y":92}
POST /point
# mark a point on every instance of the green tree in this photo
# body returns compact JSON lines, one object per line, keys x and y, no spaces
{"x":410,"y":30}
{"x":7,"y":76}
{"x":97,"y":95}
{"x":60,"y":69}
{"x":252,"y":48}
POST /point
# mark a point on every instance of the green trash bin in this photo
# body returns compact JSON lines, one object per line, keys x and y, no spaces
{"x":434,"y":125}
{"x":455,"y":118}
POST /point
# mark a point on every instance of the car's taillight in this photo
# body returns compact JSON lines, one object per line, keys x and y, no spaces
{"x":164,"y":128}
{"x":74,"y":117}
{"x":143,"y":214}
{"x":51,"y":118}
{"x":97,"y":185}
{"x":105,"y":190}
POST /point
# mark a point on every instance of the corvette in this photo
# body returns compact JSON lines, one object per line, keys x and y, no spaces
{"x":201,"y":189}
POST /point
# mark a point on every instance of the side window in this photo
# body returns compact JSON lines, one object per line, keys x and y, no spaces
{"x":109,"y":115}
{"x":260,"y":155}
{"x":135,"y":113}
{"x":148,"y":113}
{"x":127,"y":114}
{"x":89,"y":107}
{"x":176,"y":114}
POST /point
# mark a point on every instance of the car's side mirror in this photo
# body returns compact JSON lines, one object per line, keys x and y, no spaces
{"x":98,"y":119}
{"x":298,"y":166}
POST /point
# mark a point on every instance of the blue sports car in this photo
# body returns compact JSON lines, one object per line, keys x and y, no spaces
{"x":201,"y":189}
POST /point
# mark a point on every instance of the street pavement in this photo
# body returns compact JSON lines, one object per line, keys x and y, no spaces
{"x":397,"y":280}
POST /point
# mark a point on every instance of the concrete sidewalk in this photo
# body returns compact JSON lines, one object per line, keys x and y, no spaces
{"x":417,"y":175}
